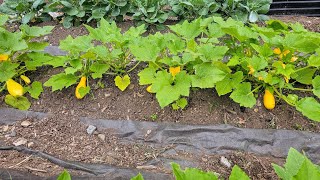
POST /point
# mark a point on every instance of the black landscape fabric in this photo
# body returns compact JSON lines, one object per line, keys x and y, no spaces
{"x":218,"y":139}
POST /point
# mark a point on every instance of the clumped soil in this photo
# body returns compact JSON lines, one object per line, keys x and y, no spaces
{"x":64,"y":136}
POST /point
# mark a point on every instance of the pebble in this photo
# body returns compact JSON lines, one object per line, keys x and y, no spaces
{"x":102,"y":137}
{"x":25,"y":123}
{"x":5,"y":128}
{"x":46,"y":38}
{"x":20,"y":141}
{"x":91,"y":129}
{"x":224,"y":161}
{"x":30,"y":144}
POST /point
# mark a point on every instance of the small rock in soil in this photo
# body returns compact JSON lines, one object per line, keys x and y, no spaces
{"x":20,"y":141}
{"x":25,"y":123}
{"x":224,"y":161}
{"x":91,"y":129}
{"x":30,"y":144}
{"x":102,"y":137}
{"x":5,"y":128}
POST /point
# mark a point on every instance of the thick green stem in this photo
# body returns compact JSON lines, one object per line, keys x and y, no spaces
{"x":255,"y":89}
{"x":282,"y":96}
{"x":301,"y":89}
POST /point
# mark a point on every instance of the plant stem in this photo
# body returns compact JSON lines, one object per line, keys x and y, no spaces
{"x":133,"y":67}
{"x":255,"y":89}
{"x":157,"y":65}
{"x":302,"y":68}
{"x":282,"y":96}
{"x":301,"y":89}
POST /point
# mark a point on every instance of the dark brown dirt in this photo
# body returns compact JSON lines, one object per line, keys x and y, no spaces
{"x":310,"y":23}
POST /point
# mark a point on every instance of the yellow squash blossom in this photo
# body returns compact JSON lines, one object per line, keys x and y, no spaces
{"x":260,"y":78}
{"x":293,"y":59}
{"x":281,"y":53}
{"x":286,"y":79}
{"x":4,"y":57}
{"x":283,"y":65}
{"x":174,"y":70}
{"x":251,"y":70}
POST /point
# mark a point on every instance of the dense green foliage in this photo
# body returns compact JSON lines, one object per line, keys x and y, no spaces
{"x":71,"y":12}
{"x":226,"y":55}
{"x":22,"y":55}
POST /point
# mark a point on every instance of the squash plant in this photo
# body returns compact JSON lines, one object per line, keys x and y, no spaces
{"x":20,"y":54}
{"x":104,"y":51}
{"x":236,"y":60}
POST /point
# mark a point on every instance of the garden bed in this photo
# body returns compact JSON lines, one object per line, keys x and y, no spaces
{"x":63,"y":135}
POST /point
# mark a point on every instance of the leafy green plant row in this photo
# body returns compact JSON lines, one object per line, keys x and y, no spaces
{"x":297,"y":167}
{"x":71,"y":12}
{"x":240,"y":61}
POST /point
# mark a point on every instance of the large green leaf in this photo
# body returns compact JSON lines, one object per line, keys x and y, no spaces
{"x":191,"y":173}
{"x":207,"y":75}
{"x":11,"y":42}
{"x":19,"y":102}
{"x":147,"y":76}
{"x":99,"y":69}
{"x":168,"y":90}
{"x":7,"y":70}
{"x":304,"y":76}
{"x":212,"y":53}
{"x":309,"y":107}
{"x":243,"y":95}
{"x":316,"y":86}
{"x":187,"y":30}
{"x":60,"y":81}
{"x":230,"y":82}
{"x":64,"y":175}
{"x":35,"y":90}
{"x":238,"y":174}
{"x":35,"y":31}
{"x":76,"y":45}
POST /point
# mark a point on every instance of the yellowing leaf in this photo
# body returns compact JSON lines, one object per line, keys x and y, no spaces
{"x":174,"y":70}
{"x":122,"y":82}
{"x":285,"y":52}
{"x":293,"y":59}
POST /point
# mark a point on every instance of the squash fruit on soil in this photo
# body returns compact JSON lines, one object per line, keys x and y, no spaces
{"x":81,"y":84}
{"x":15,"y":89}
{"x":269,"y":101}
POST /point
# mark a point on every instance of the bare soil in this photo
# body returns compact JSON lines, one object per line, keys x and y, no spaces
{"x":64,"y":136}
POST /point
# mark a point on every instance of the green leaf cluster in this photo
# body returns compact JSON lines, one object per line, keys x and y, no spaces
{"x":70,"y":12}
{"x":297,"y":166}
{"x":20,"y":55}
